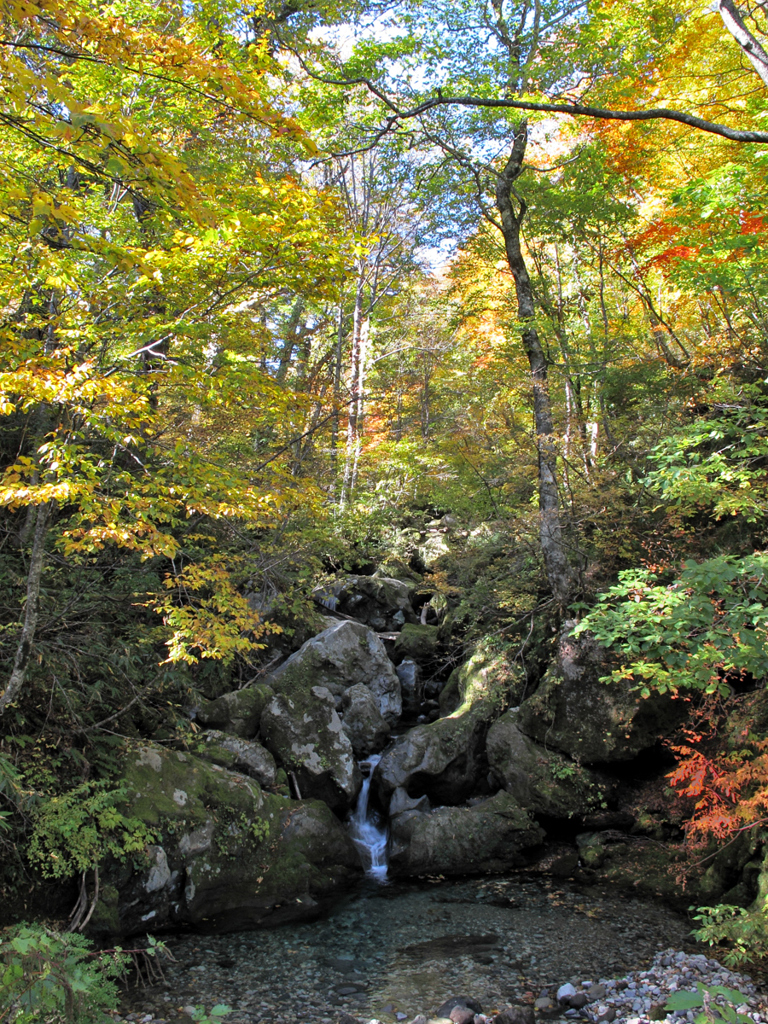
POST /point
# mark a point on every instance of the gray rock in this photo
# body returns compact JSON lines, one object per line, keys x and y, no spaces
{"x":305,"y":733}
{"x":592,"y":721}
{"x":239,"y":755}
{"x":366,"y":727}
{"x":409,"y":674}
{"x":341,"y":656}
{"x":382,"y":603}
{"x":565,"y":992}
{"x":490,"y":837}
{"x":462,"y":1015}
{"x":542,"y":780}
{"x":401,"y":802}
{"x":444,"y":760}
{"x":238,"y":712}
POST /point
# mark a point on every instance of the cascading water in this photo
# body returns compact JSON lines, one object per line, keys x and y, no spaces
{"x":367,"y":829}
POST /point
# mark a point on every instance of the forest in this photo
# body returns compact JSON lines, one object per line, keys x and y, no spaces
{"x":467,"y":296}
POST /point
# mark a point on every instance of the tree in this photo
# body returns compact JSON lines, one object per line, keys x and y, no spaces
{"x":503,"y":54}
{"x":141,"y":228}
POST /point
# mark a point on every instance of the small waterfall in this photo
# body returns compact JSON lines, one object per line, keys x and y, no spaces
{"x":366,"y":827}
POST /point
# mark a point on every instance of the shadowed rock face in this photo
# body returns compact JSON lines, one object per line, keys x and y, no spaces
{"x":306,"y":734}
{"x":341,"y":656}
{"x":591,"y":721}
{"x":542,"y":780}
{"x":382,"y":603}
{"x":444,"y":760}
{"x":491,"y":836}
{"x":226,"y":855}
{"x":367,"y":729}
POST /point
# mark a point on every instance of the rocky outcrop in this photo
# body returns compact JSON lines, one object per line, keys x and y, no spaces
{"x":238,"y":712}
{"x":382,"y":603}
{"x":238,"y":755}
{"x":340,"y":656}
{"x":417,"y":642}
{"x":487,"y":675}
{"x":306,"y":735}
{"x":411,"y":686}
{"x":444,"y":760}
{"x":225,"y":856}
{"x":367,"y":729}
{"x":591,"y":721}
{"x":542,"y":780}
{"x":491,"y":836}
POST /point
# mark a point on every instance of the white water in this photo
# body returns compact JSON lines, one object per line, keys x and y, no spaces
{"x":366,"y":828}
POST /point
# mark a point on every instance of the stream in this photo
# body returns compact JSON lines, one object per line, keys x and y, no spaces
{"x":392,"y":951}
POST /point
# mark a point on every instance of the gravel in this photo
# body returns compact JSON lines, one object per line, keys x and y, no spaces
{"x":390,"y":953}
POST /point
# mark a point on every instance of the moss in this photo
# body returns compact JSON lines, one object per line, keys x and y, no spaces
{"x":169,"y":787}
{"x":417,"y":642}
{"x":106,"y":916}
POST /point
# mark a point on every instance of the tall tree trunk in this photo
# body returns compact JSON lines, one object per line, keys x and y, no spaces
{"x":355,"y":397}
{"x":512,"y":210}
{"x":24,"y":649}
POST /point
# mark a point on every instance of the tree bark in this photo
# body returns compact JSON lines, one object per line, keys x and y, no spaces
{"x":512,"y":211}
{"x":735,"y":24}
{"x":24,"y":649}
{"x":355,"y":370}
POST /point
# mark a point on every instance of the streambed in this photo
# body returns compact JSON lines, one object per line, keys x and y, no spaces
{"x":396,"y":950}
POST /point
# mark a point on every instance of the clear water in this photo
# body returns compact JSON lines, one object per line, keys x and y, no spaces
{"x":403,"y":948}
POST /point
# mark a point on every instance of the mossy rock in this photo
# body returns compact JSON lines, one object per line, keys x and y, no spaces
{"x":487,"y":675}
{"x":225,"y":855}
{"x":591,"y":720}
{"x":238,"y":712}
{"x":490,"y":837}
{"x":238,"y":755}
{"x":541,"y":780}
{"x":380,"y":602}
{"x":417,"y":642}
{"x":647,"y":869}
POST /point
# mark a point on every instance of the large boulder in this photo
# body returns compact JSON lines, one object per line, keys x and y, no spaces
{"x":306,"y":735}
{"x":238,"y":712}
{"x":382,"y":603}
{"x":342,"y":655}
{"x":367,"y":729}
{"x":592,"y":721}
{"x":226,"y":856}
{"x":444,"y":760}
{"x":541,"y":780}
{"x":489,"y":837}
{"x":238,"y":755}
